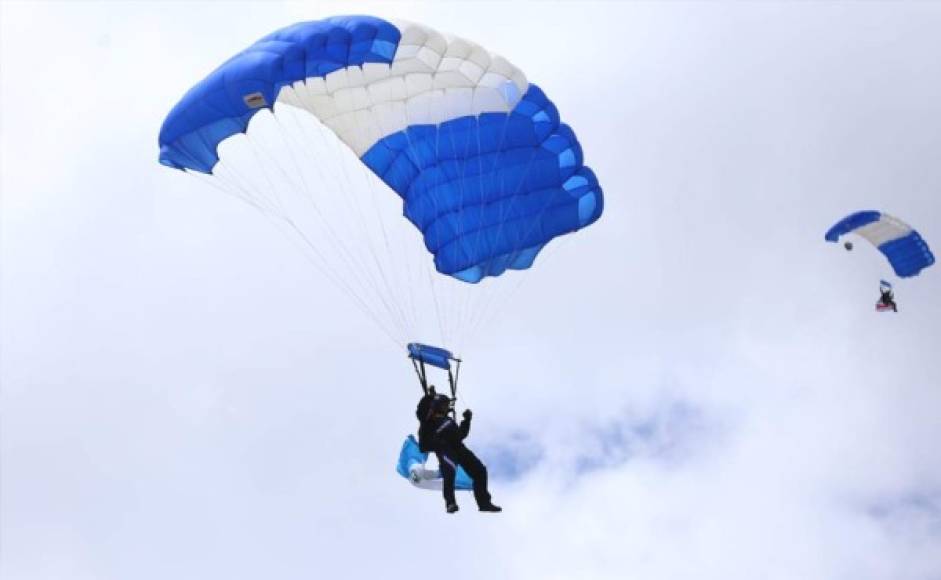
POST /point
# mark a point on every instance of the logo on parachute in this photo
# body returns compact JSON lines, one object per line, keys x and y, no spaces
{"x":255,"y":100}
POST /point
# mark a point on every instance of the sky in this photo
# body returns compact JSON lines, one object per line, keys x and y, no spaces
{"x":696,"y":386}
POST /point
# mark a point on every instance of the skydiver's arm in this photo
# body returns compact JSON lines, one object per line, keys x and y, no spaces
{"x":464,"y":429}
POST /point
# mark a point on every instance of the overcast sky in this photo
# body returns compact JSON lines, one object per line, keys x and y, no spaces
{"x":697,"y":386}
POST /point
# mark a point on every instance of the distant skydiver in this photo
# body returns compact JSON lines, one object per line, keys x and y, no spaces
{"x":887,"y":298}
{"x":439,"y":433}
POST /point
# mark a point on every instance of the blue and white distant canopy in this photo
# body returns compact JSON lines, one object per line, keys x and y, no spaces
{"x":478,"y":155}
{"x":906,"y":250}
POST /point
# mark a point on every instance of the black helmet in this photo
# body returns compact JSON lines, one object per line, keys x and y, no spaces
{"x":441,"y":403}
{"x":423,"y":410}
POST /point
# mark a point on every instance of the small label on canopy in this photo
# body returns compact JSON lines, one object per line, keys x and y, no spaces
{"x":255,"y":100}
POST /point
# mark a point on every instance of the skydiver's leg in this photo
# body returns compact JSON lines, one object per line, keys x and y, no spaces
{"x":478,"y":472}
{"x":448,"y":471}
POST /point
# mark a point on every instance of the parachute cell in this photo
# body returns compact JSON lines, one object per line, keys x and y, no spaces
{"x":905,"y":249}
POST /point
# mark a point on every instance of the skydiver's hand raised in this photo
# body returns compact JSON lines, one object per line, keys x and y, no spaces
{"x":467,"y":414}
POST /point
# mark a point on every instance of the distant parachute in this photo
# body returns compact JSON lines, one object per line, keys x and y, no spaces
{"x":905,"y":249}
{"x":481,"y":163}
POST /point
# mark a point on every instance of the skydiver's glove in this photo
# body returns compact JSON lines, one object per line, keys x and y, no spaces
{"x":467,"y":414}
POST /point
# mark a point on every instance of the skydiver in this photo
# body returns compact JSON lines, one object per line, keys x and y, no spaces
{"x":439,"y":433}
{"x":887,"y":299}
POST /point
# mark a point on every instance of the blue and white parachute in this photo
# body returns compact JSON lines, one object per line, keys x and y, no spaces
{"x":478,"y":154}
{"x":316,"y":122}
{"x":905,"y":249}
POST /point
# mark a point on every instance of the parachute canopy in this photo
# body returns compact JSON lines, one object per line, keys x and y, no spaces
{"x":485,"y":168}
{"x":905,"y":249}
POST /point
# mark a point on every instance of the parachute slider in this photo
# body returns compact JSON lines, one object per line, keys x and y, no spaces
{"x":422,"y":354}
{"x":436,"y":357}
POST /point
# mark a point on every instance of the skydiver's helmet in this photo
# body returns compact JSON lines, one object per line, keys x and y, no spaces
{"x":848,"y":246}
{"x":423,"y":410}
{"x":432,"y":402}
{"x":441,"y":404}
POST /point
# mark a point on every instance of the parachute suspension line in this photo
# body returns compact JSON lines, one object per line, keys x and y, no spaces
{"x":481,"y":298}
{"x":488,"y":314}
{"x":486,"y":290}
{"x":450,"y":287}
{"x":464,"y":298}
{"x":488,"y":286}
{"x":481,"y":311}
{"x":220,"y":185}
{"x":283,"y":216}
{"x":442,"y":314}
{"x":564,"y":241}
{"x":230,"y":189}
{"x":459,"y":299}
{"x":392,"y":282}
{"x":445,"y":315}
{"x":404,"y":249}
{"x":275,"y":197}
{"x":338,"y":280}
{"x":394,"y":274}
{"x":233,"y":178}
{"x":395,"y":308}
{"x":381,"y":296}
{"x":404,"y":288}
{"x":221,"y":182}
{"x":434,"y":296}
{"x":411,"y":151}
{"x":310,"y":250}
{"x":352,"y":293}
{"x":469,"y":292}
{"x":358,"y":269}
{"x":390,"y":277}
{"x":307,"y":190}
{"x":485,"y":315}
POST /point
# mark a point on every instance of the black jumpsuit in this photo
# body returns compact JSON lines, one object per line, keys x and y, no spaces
{"x":443,"y":436}
{"x":888,"y":299}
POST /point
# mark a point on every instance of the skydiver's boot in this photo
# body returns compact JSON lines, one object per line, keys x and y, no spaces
{"x":452,"y":507}
{"x":489,"y":507}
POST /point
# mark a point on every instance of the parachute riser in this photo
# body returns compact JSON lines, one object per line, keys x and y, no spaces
{"x":452,"y":381}
{"x":422,"y":377}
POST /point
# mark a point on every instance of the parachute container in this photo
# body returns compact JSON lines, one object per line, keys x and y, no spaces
{"x":411,"y":466}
